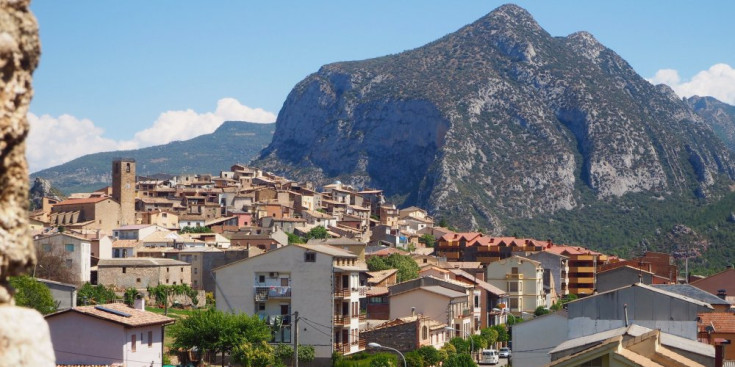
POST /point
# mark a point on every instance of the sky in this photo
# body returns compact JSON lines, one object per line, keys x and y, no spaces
{"x":131,"y":74}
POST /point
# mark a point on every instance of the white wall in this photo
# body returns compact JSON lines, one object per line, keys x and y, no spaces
{"x":81,"y":339}
{"x":144,"y":355}
{"x":311,"y":291}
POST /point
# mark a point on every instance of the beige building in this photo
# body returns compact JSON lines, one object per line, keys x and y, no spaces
{"x":321,"y":282}
{"x":97,"y":213}
{"x":141,"y":272}
{"x":123,"y":188}
{"x":73,"y":250}
{"x":523,"y":279}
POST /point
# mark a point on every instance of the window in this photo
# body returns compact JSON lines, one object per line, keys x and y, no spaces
{"x":261,"y":306}
{"x":513,"y":287}
{"x":284,"y":282}
{"x":137,"y":280}
{"x":132,"y":341}
{"x":261,"y":278}
{"x":69,"y":247}
{"x":195,"y":270}
{"x":182,"y":270}
{"x":124,"y":269}
{"x":150,"y":339}
{"x":68,"y":263}
{"x":310,"y":257}
{"x":514,"y":303}
{"x":514,"y":270}
{"x":47,"y":248}
{"x":424,"y":333}
{"x":127,"y":168}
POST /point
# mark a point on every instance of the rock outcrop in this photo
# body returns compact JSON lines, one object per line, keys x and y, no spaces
{"x":497,"y":120}
{"x":24,"y":335}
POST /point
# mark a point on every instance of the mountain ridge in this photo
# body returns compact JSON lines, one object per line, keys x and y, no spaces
{"x":496,"y":120}
{"x":232,"y":142}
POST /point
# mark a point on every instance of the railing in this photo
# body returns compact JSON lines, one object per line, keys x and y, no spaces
{"x":451,"y":255}
{"x":362,"y":344}
{"x":341,"y":319}
{"x":363,"y":317}
{"x":487,"y":259}
{"x":264,"y":293}
{"x":342,"y":292}
{"x":513,"y":276}
{"x":466,"y":312}
{"x":581,"y":269}
{"x":343,"y":348}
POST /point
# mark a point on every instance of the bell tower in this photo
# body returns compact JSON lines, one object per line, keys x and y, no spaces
{"x":123,"y":188}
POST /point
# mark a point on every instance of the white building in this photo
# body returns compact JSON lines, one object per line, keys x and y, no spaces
{"x":75,"y":251}
{"x":321,"y":282}
{"x":112,"y":334}
{"x":522,"y":279}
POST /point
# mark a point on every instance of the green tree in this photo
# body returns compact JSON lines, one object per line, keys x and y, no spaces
{"x":479,"y":342}
{"x":259,"y":354}
{"x":502,"y":332}
{"x":490,"y":334}
{"x":318,"y":232}
{"x":188,"y":229}
{"x":414,"y":359}
{"x":460,"y":360}
{"x":294,"y":238}
{"x":460,"y":344}
{"x":31,"y":293}
{"x":406,"y":265}
{"x":443,"y":223}
{"x":431,"y":355}
{"x":220,"y":332}
{"x":130,"y":295}
{"x":382,"y":360}
{"x":163,"y":292}
{"x":448,"y":350}
{"x":428,"y":240}
{"x":95,"y":294}
{"x":376,"y":263}
{"x":541,"y":310}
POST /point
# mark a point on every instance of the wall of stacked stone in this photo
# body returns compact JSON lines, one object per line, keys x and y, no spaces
{"x":24,"y":335}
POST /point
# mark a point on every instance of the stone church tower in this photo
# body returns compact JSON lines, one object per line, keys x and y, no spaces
{"x":123,"y":188}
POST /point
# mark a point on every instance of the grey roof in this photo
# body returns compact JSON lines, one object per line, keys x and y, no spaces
{"x":443,"y":291}
{"x":329,"y":250}
{"x":141,"y":261}
{"x":335,"y":242}
{"x":637,"y":330}
{"x":692,"y":292}
{"x":653,"y":289}
{"x":480,"y":283}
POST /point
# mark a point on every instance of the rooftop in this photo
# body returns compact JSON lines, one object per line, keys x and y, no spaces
{"x":141,"y":261}
{"x":135,"y":318}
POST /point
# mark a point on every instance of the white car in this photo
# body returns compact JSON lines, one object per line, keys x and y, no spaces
{"x":504,"y":353}
{"x":489,"y":356}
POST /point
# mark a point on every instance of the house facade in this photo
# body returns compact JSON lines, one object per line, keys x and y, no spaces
{"x":108,"y":335}
{"x":523,"y":281}
{"x":75,"y":251}
{"x":142,"y":272}
{"x":320,"y":282}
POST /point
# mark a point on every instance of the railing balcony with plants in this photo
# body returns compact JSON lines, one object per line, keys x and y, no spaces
{"x":265,"y":293}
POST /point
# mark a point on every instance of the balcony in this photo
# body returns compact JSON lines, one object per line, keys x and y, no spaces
{"x":265,"y":293}
{"x":487,"y":259}
{"x":342,"y":292}
{"x":341,"y":320}
{"x":451,"y":255}
{"x":343,"y":348}
{"x":582,"y":269}
{"x":581,"y":280}
{"x":513,"y":276}
{"x":585,"y":258}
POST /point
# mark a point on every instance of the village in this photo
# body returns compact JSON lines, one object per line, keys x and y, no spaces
{"x":343,"y":271}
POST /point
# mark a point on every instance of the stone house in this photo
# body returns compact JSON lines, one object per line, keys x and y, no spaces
{"x":409,"y":333}
{"x":141,"y":272}
{"x":94,"y":213}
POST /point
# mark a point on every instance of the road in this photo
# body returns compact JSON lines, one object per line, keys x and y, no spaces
{"x":503,"y":362}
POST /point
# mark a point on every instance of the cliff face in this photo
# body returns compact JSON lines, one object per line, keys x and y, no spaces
{"x":497,"y":120}
{"x":719,"y":115}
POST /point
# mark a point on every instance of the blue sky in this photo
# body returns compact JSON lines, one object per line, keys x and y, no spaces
{"x":129,"y":74}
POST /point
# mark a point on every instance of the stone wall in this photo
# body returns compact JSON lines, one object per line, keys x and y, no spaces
{"x":403,"y":337}
{"x":24,"y":336}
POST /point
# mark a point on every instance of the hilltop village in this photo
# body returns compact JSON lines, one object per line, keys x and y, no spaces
{"x":334,"y":258}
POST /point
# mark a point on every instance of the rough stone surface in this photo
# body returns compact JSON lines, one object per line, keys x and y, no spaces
{"x":24,"y":338}
{"x":19,"y":53}
{"x":24,"y":334}
{"x":497,"y":121}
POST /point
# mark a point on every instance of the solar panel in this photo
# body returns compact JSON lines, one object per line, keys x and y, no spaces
{"x":114,"y":312}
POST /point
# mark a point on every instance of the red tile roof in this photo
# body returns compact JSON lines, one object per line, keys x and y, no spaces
{"x":723,"y":322}
{"x":136,"y":318}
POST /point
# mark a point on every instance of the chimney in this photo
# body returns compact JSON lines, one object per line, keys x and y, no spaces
{"x":722,"y":293}
{"x":139,"y":303}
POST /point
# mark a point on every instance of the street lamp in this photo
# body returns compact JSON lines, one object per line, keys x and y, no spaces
{"x":376,"y":345}
{"x":472,"y":343}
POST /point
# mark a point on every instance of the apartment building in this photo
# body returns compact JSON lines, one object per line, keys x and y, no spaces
{"x":522,"y":279}
{"x":321,"y":282}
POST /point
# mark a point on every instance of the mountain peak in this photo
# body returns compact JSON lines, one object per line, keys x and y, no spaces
{"x":511,"y":16}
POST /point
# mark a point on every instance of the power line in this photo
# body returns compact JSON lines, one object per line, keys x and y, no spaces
{"x":329,"y":327}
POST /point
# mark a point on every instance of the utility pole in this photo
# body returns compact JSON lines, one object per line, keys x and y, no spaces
{"x":295,"y":332}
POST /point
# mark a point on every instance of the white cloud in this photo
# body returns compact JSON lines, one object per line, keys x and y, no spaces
{"x":56,"y":140}
{"x":718,"y":81}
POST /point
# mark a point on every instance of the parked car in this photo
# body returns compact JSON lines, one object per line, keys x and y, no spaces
{"x":489,"y":356}
{"x":504,"y":353}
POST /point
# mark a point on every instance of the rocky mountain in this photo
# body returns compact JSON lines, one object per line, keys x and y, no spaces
{"x":719,"y":115}
{"x":498,"y":123}
{"x":42,"y":188}
{"x":233,"y":142}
